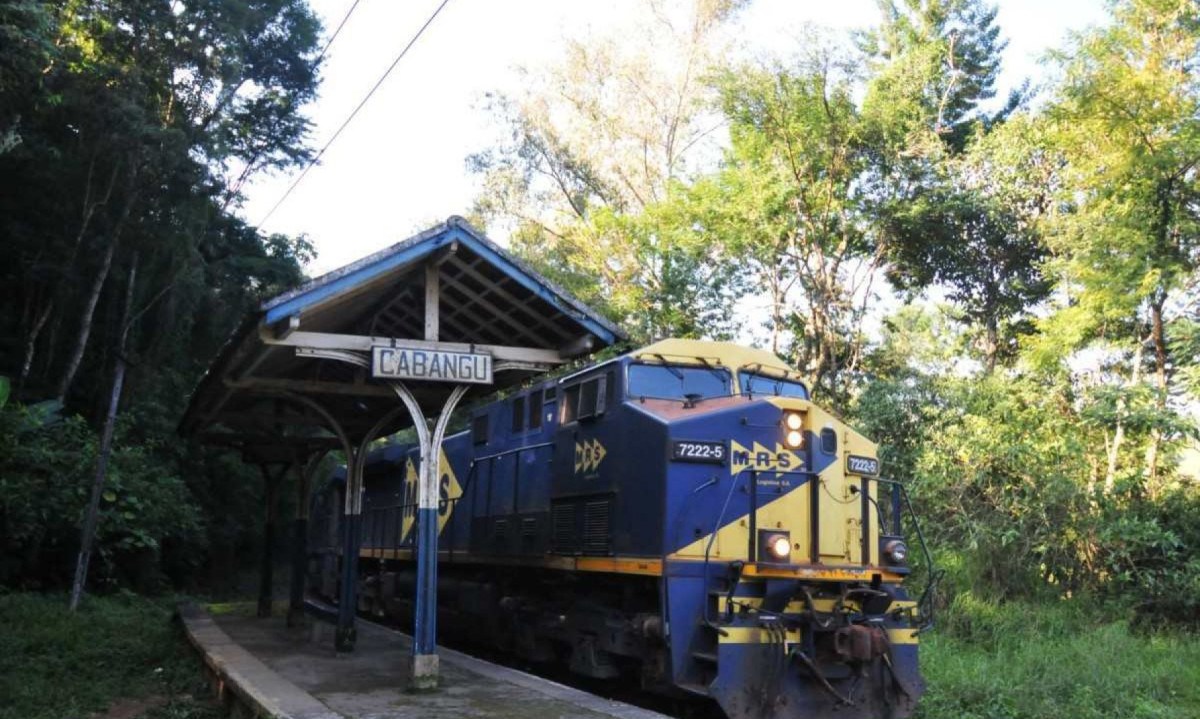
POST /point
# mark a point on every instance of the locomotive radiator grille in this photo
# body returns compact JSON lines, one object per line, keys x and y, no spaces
{"x":596,"y":527}
{"x":564,"y":527}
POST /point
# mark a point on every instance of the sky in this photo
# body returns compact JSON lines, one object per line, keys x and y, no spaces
{"x":399,"y":167}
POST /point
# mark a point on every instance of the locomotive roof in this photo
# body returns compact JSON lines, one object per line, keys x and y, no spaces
{"x":727,"y":354}
{"x":488,"y":301}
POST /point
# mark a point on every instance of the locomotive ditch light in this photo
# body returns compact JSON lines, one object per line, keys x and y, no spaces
{"x":775,"y":546}
{"x":896,"y":551}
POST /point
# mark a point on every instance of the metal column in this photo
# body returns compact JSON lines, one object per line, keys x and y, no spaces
{"x":266,"y":571}
{"x":424,"y":674}
{"x":347,"y":633}
{"x":295,"y":613}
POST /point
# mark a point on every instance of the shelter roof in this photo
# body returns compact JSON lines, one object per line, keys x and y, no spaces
{"x":486,"y":300}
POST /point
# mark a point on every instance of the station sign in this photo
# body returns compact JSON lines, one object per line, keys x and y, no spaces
{"x":430,"y":365}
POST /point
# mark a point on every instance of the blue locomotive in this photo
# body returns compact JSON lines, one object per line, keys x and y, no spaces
{"x":681,"y":516}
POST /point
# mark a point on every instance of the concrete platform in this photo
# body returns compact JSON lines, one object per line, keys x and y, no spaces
{"x":296,"y":673}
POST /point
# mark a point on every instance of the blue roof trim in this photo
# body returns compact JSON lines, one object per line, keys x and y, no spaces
{"x":523,"y":278}
{"x":416,"y":248}
{"x":346,"y":282}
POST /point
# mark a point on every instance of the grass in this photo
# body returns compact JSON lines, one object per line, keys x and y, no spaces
{"x":1039,"y":661}
{"x":58,"y":665}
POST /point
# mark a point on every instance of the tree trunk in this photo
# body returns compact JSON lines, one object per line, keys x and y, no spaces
{"x":105,"y":450}
{"x":1114,"y":450}
{"x":31,"y":344}
{"x":89,"y":306}
{"x":1158,"y":337}
{"x":992,"y":344}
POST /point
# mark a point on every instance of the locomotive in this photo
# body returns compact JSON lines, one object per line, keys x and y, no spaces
{"x":682,"y":516}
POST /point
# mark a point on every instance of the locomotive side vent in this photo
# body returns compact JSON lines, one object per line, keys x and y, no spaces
{"x":597,"y":526}
{"x":500,"y":532}
{"x":528,"y":527}
{"x":564,"y":527}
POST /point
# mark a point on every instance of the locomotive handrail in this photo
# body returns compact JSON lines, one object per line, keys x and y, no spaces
{"x":515,"y":450}
{"x":717,"y":527}
{"x":712,"y":538}
{"x":925,"y":611}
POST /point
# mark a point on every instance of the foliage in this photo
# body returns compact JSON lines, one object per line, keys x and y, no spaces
{"x":788,"y":208}
{"x":45,"y":474}
{"x":604,"y":135}
{"x":55,"y":663}
{"x":1020,"y":660}
{"x":127,"y":131}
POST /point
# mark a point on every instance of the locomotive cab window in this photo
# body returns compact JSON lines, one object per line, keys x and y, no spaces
{"x":479,"y":429}
{"x":664,"y":381}
{"x":585,"y":400}
{"x":518,"y":414}
{"x":535,"y":409}
{"x":753,"y":383}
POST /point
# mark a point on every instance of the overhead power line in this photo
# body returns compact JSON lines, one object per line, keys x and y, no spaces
{"x":316,"y":158}
{"x":337,"y":31}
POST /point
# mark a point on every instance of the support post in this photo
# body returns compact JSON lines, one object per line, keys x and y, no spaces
{"x":346,"y":634}
{"x":424,"y":647}
{"x":295,"y":614}
{"x":266,"y":573}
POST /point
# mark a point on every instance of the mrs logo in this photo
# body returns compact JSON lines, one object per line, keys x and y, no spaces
{"x":763,"y":459}
{"x":448,"y":490}
{"x":588,"y":455}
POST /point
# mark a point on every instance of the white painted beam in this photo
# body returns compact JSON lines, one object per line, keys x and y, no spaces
{"x":432,"y":296}
{"x":363,"y":343}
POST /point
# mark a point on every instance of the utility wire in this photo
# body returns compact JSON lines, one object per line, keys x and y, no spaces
{"x":241,"y":180}
{"x":316,"y":158}
{"x":341,"y":25}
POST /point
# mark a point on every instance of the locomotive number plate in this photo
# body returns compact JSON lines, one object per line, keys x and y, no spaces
{"x":868,"y":466}
{"x":685,"y":450}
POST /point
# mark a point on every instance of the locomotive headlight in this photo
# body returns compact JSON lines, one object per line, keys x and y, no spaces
{"x":793,"y":423}
{"x":774,"y":546}
{"x":896,"y":551}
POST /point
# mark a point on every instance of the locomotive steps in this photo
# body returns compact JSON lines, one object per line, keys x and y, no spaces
{"x":259,"y":668}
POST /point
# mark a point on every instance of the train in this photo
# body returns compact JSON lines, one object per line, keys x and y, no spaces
{"x":681,"y":516}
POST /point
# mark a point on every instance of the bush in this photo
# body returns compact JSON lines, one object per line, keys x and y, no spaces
{"x":46,"y":470}
{"x":1009,"y":482}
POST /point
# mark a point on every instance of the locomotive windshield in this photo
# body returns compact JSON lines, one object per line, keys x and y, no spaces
{"x":677,"y":381}
{"x":752,"y":383}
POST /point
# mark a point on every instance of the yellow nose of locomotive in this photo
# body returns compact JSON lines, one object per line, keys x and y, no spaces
{"x":840,"y":466}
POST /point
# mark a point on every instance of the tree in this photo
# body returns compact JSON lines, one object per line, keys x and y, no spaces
{"x":125,"y":128}
{"x":596,"y":140}
{"x":976,"y":230}
{"x":1126,"y":118}
{"x":933,"y":63}
{"x":136,"y":112}
{"x":787,"y":206}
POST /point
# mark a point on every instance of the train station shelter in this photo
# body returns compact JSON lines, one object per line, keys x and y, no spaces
{"x":393,"y":341}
